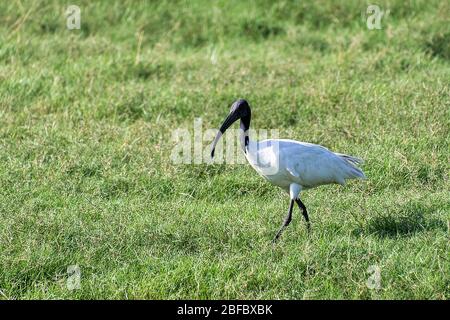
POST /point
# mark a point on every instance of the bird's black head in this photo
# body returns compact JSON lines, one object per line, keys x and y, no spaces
{"x":240,"y":109}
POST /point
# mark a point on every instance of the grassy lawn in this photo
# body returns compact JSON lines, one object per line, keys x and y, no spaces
{"x":86,"y":123}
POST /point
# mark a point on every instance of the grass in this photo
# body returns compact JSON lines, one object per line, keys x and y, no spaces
{"x":86,"y":118}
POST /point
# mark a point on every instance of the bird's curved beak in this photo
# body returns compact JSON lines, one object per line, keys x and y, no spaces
{"x":232,"y":118}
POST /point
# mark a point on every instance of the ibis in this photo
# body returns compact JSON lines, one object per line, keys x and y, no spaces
{"x":291,"y":165}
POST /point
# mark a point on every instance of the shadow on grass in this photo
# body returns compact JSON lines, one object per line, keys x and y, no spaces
{"x":408,"y":220}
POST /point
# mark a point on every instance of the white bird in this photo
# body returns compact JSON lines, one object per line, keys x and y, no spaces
{"x":291,"y":165}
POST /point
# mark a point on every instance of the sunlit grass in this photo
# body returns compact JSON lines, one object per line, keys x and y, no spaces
{"x":86,"y":118}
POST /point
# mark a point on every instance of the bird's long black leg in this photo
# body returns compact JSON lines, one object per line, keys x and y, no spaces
{"x":304,"y":212}
{"x":286,"y":222}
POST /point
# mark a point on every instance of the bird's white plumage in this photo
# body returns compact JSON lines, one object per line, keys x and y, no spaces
{"x":284,"y":162}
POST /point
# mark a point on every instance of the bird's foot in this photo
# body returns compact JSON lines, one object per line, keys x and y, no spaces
{"x":308,"y":229}
{"x":277,"y":236}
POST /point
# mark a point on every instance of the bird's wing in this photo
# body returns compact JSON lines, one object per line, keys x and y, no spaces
{"x":293,"y":170}
{"x":312,"y":165}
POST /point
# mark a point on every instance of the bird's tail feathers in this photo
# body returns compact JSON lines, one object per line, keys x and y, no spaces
{"x":351,"y":159}
{"x":357,"y":173}
{"x":353,"y":162}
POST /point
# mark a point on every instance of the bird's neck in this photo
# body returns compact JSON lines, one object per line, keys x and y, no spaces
{"x":244,"y":134}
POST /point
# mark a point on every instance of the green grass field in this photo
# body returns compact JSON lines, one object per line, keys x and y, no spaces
{"x":86,"y":120}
